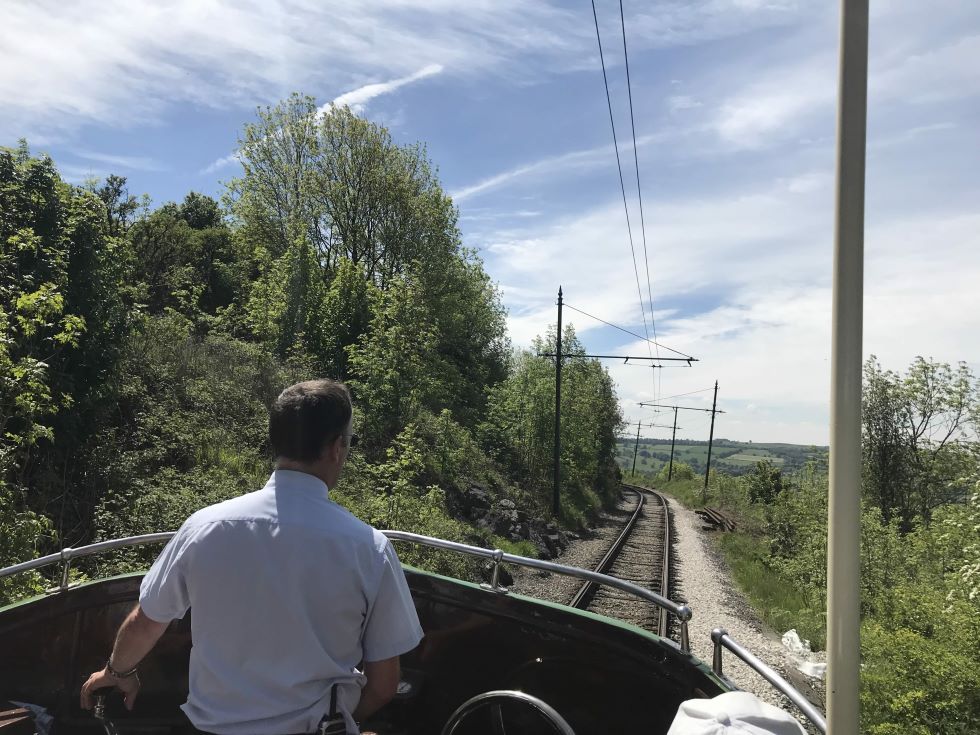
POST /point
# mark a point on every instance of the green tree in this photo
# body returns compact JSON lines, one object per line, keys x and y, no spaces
{"x":519,"y":429}
{"x":190,"y":426}
{"x":918,"y":438}
{"x":395,"y":370}
{"x":163,"y":262}
{"x":273,"y":200}
{"x":120,"y":206}
{"x":765,"y":482}
{"x":62,"y":320}
{"x":347,"y":310}
{"x":341,"y":182}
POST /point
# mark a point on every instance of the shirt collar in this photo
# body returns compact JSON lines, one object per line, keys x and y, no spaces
{"x":294,"y":480}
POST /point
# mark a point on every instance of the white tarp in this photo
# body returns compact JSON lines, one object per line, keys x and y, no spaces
{"x":733,"y":713}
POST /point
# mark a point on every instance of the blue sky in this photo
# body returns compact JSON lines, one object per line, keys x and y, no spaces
{"x":734,"y":102}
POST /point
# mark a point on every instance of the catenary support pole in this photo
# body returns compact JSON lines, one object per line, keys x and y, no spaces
{"x":711,"y":437}
{"x":555,"y":504}
{"x":673,"y":438}
{"x":844,"y":502}
{"x":636,"y":447}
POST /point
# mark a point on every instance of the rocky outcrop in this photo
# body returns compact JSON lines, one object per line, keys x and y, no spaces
{"x":501,"y":517}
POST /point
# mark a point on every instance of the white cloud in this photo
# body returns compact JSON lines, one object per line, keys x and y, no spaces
{"x":808,"y":182}
{"x":542,"y":167}
{"x":220,"y":163}
{"x":79,"y":174}
{"x":114,"y":62}
{"x":572,"y":161}
{"x":771,"y":346}
{"x":918,"y":57}
{"x":136,"y":163}
{"x":677,"y":103}
{"x":931,"y":75}
{"x":764,"y":256}
{"x":690,"y":22}
{"x":772,"y":110}
{"x":357,"y":99}
{"x":724,"y":242}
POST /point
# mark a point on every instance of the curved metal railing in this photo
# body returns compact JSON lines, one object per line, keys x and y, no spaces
{"x":721,"y":640}
{"x":65,"y":556}
{"x":496,"y":556}
{"x":683,"y":612}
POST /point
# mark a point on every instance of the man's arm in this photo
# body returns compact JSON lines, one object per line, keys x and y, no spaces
{"x":137,"y":635}
{"x":382,"y":683}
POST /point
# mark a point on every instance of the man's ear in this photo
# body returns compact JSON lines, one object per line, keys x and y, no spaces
{"x":336,"y":449}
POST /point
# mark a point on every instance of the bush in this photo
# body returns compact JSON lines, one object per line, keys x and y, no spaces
{"x":21,"y":532}
{"x":681,"y":471}
{"x":388,"y":496}
{"x":913,"y":684}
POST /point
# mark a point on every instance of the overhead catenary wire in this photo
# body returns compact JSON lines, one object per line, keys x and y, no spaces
{"x":622,"y":185}
{"x":681,"y":395}
{"x":627,"y":331}
{"x":639,"y":189}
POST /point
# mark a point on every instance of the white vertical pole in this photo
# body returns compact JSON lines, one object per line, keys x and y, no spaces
{"x":844,"y":523}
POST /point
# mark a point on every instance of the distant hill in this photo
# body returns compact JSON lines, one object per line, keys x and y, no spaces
{"x":733,"y":457}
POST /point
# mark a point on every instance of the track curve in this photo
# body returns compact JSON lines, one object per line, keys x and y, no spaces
{"x":640,"y":554}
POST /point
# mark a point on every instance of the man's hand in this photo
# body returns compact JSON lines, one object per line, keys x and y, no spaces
{"x":135,"y":638}
{"x":130,"y":687}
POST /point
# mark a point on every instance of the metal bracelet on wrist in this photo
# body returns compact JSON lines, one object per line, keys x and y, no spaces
{"x":120,"y":674}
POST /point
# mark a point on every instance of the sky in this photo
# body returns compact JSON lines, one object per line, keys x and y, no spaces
{"x":734,"y":109}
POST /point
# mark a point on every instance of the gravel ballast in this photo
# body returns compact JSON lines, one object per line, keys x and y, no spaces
{"x":701,"y":579}
{"x":704,"y":583}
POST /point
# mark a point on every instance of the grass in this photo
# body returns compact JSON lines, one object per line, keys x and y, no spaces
{"x":752,"y":458}
{"x":518,"y":548}
{"x":774,"y":597}
{"x":731,"y":456}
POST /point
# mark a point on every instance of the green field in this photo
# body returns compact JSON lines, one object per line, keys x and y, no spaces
{"x":726,"y":455}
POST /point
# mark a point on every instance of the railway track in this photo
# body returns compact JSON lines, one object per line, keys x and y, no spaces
{"x":640,"y":554}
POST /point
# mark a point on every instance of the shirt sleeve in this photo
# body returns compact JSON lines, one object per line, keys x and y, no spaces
{"x":392,"y":625}
{"x":163,"y":592}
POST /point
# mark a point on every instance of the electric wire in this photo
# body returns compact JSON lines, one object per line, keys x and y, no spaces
{"x":639,"y":190}
{"x":622,"y":185}
{"x":621,"y":329}
{"x":681,"y":395}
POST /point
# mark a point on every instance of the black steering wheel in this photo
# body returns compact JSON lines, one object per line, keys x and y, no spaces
{"x":494,"y":699}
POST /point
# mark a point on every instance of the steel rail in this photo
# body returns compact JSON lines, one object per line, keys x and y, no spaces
{"x":583,"y":597}
{"x":665,"y":569}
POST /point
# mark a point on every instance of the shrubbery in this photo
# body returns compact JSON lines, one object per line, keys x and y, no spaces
{"x":140,"y":349}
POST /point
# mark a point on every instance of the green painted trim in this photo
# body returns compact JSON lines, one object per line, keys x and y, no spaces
{"x":74,"y":586}
{"x":705,"y":668}
{"x":472,"y":585}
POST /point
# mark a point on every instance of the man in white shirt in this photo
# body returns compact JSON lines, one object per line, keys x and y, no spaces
{"x":300,"y":610}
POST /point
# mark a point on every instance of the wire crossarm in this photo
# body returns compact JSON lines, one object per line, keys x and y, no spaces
{"x":625,"y":358}
{"x":685,"y":408}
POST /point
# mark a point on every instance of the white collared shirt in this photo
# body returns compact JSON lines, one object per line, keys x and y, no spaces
{"x":290,"y":592}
